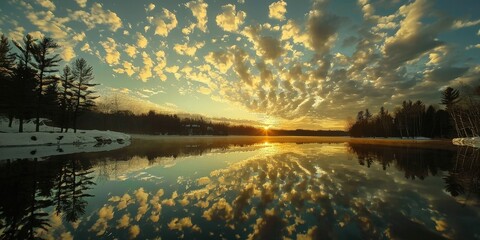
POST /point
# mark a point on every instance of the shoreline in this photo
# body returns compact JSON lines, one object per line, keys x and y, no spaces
{"x":237,"y":139}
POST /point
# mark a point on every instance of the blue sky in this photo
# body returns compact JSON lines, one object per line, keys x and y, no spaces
{"x":290,"y":64}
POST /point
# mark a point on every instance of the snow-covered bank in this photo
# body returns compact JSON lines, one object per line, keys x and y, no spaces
{"x":56,"y":138}
{"x":40,"y":151}
{"x":50,"y":141}
{"x":472,"y":142}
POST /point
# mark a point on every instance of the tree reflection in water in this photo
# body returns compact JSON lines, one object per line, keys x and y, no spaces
{"x":461,"y":168}
{"x":298,"y":191}
{"x":30,"y":188}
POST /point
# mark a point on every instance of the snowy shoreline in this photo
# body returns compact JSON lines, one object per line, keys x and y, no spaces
{"x":472,"y":142}
{"x":57,"y":138}
{"x":49,"y":141}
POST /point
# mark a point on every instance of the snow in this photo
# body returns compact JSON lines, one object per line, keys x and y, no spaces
{"x":472,"y":142}
{"x":50,"y":141}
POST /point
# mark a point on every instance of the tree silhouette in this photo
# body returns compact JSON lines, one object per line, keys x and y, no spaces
{"x":46,"y":64}
{"x":71,"y":191}
{"x":83,"y":74}
{"x":65,"y":94}
{"x":7,"y":64}
{"x":24,"y":76}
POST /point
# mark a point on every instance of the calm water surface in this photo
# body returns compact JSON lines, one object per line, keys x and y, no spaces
{"x":219,"y":188}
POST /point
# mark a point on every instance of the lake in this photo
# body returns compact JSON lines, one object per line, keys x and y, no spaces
{"x":244,"y":188}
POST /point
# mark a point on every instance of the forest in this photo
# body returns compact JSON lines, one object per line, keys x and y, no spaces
{"x":460,"y":118}
{"x":32,"y":87}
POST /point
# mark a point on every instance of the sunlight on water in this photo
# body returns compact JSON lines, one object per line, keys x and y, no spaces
{"x":252,"y":191}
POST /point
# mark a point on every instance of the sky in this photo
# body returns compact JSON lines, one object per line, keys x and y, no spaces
{"x":290,"y":64}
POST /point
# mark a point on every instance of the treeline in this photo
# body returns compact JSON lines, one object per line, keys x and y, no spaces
{"x":413,"y":119}
{"x":171,"y":124}
{"x":31,"y":85}
{"x":410,"y":120}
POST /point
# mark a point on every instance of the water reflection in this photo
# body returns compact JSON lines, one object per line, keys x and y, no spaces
{"x":214,"y":190}
{"x":30,"y":187}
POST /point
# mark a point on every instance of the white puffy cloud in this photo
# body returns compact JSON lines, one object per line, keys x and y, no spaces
{"x":142,"y":41}
{"x":161,"y":64}
{"x":131,"y":50}
{"x":86,"y":48}
{"x":79,"y":36}
{"x":222,"y":60}
{"x":98,"y":16}
{"x":146,"y":70}
{"x":81,"y":3}
{"x":165,"y":23}
{"x":112,"y":56}
{"x":48,"y":4}
{"x":230,"y":20}
{"x":151,"y":6}
{"x":127,"y":67}
{"x":68,"y":53}
{"x":105,"y":214}
{"x":277,"y":10}
{"x":17,"y":34}
{"x":199,"y":11}
{"x":185,"y":49}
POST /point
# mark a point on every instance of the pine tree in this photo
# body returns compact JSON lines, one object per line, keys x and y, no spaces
{"x":24,"y":76}
{"x":7,"y":63}
{"x":83,"y":96}
{"x":450,"y":97}
{"x":65,"y":94}
{"x":46,"y":64}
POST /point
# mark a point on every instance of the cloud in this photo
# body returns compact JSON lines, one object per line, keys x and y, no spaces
{"x":188,"y":29}
{"x":134,"y":231}
{"x":267,"y":47}
{"x":165,"y":23}
{"x":86,"y":48}
{"x":142,"y":200}
{"x":130,"y":50}
{"x":142,"y":42}
{"x":49,"y":23}
{"x":322,"y":29}
{"x":199,"y":11}
{"x":161,"y":64}
{"x":98,"y":16}
{"x":184,"y":49}
{"x":17,"y":34}
{"x":104,"y":215}
{"x":112,"y":56}
{"x":47,"y":4}
{"x":277,"y":10}
{"x":230,"y":20}
{"x":151,"y":6}
{"x":81,"y":3}
{"x":68,"y":53}
{"x":124,"y":221}
{"x":220,"y":210}
{"x":463,"y":24}
{"x":180,"y":224}
{"x":146,"y":70}
{"x":79,"y":36}
{"x":412,"y":39}
{"x":222,"y":60}
{"x":128,"y":68}
{"x":126,"y":199}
